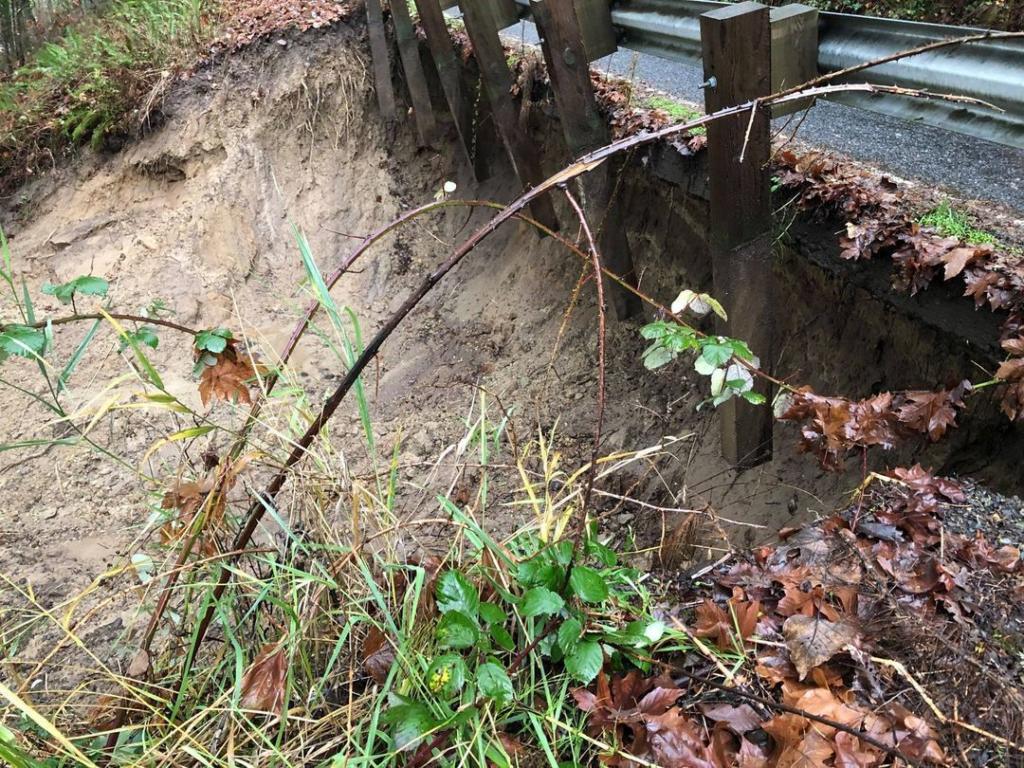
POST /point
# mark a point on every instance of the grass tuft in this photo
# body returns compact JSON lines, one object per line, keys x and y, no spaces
{"x":950,"y":222}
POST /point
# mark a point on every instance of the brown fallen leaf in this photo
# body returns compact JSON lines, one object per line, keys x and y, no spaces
{"x":814,"y":641}
{"x":959,"y":259}
{"x":675,"y":741}
{"x":140,"y":666}
{"x":739,"y":719}
{"x":263,"y":683}
{"x":851,"y":752}
{"x":812,"y":752}
{"x":378,"y":655}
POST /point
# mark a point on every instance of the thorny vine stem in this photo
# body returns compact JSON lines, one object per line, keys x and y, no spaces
{"x":595,"y":256}
{"x":117,"y":316}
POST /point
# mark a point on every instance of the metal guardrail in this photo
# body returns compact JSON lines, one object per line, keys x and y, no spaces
{"x":991,"y":70}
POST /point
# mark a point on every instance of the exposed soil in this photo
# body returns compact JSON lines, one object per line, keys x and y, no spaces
{"x":199,"y":214}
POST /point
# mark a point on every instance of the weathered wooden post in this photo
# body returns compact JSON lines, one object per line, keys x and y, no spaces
{"x":412,"y":65}
{"x":585,"y":130}
{"x":736,"y":43}
{"x":449,"y":72}
{"x":505,"y":12}
{"x":381,"y":62}
{"x":482,"y":25}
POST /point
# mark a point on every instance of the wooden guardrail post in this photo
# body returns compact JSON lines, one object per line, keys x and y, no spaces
{"x":415,"y":79}
{"x":482,"y":26}
{"x":736,"y":42}
{"x":585,"y":130}
{"x":449,"y":72}
{"x":381,"y":61}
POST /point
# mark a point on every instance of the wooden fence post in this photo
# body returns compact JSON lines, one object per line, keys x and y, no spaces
{"x":736,"y":43}
{"x":506,"y":12}
{"x":586,"y":130}
{"x":482,"y":26}
{"x":415,"y":79}
{"x":449,"y":72}
{"x":381,"y":61}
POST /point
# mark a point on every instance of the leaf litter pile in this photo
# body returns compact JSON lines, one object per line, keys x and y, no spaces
{"x":876,"y":636}
{"x":878,"y":224}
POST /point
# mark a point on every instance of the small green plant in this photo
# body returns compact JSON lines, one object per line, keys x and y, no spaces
{"x":950,"y":222}
{"x":727,"y":362}
{"x":678,"y":111}
{"x":83,"y":87}
{"x":516,"y":625}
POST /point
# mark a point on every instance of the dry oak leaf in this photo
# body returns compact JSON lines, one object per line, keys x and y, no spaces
{"x":739,"y":719}
{"x":812,"y":752}
{"x":714,"y":622}
{"x":797,"y":745}
{"x":1014,"y":346}
{"x":851,"y":752}
{"x":814,"y":641}
{"x":263,"y":684}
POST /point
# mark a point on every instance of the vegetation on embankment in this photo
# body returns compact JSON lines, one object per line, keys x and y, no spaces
{"x":97,"y":81}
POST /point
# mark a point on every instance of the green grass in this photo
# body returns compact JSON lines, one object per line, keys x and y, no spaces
{"x":950,"y":222}
{"x":677,"y":111}
{"x":85,"y":86}
{"x":474,"y":639}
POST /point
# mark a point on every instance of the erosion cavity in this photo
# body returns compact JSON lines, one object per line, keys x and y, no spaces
{"x":203,"y":213}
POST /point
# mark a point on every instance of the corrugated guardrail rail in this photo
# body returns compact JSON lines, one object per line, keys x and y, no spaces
{"x":990,"y":70}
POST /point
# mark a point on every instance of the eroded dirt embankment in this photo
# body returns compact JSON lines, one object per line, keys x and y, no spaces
{"x":200,"y":214}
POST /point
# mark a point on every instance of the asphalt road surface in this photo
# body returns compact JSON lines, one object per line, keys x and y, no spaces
{"x":966,"y":166}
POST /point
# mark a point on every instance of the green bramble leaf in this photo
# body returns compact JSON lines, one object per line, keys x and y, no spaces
{"x":540,"y":601}
{"x":740,"y":349}
{"x":23,"y":340}
{"x":411,"y":721}
{"x":536,"y":572}
{"x":213,"y":340}
{"x":585,"y":661}
{"x":588,"y":585}
{"x":492,"y":613}
{"x":656,"y":330}
{"x":86,"y":285}
{"x":456,"y":630}
{"x":145,"y":334}
{"x":454,"y":592}
{"x":656,"y":356}
{"x":561,"y":551}
{"x":446,"y":675}
{"x":569,"y":636}
{"x":502,"y":638}
{"x":714,"y":353}
{"x":494,"y":682}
